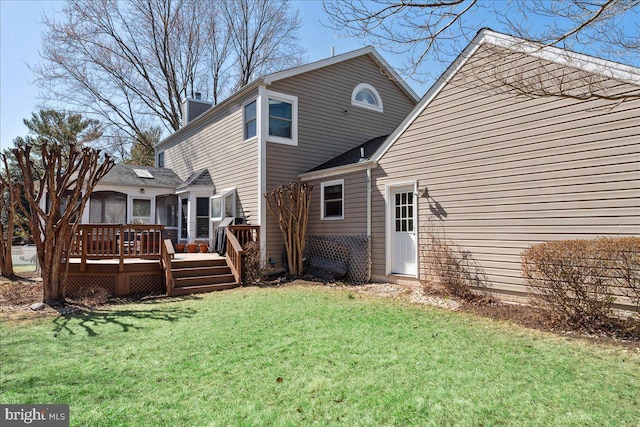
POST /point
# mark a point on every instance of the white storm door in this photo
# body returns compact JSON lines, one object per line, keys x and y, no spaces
{"x":403,"y":231}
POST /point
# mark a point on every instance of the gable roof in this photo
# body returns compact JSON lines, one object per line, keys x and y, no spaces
{"x":295,"y":71}
{"x":122,"y":174}
{"x":369,"y":50}
{"x":563,"y":57}
{"x":199,"y":178}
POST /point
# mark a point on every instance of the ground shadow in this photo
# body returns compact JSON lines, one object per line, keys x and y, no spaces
{"x":90,"y":321}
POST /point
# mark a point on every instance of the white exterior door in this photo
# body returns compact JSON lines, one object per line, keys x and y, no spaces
{"x":403,"y":231}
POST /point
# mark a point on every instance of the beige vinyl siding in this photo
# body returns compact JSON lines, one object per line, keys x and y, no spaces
{"x":216,"y":143}
{"x":354,"y":207}
{"x":328,"y":125}
{"x":507,"y":171}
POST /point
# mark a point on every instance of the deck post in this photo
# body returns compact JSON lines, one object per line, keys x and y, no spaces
{"x":121,"y":248}
{"x":83,"y":252}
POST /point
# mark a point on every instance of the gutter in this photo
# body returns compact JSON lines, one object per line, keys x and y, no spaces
{"x":338,"y":170}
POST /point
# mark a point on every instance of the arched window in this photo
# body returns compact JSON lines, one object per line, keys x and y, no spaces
{"x":366,"y":96}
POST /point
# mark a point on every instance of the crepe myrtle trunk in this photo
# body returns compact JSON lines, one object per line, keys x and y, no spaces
{"x":56,"y":197}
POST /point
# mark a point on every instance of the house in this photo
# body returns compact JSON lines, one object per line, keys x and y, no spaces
{"x":514,"y":144}
{"x":269,"y":132}
{"x":135,"y":195}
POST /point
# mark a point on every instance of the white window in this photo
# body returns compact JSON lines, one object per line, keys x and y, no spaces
{"x":332,"y":200}
{"x":161,"y":159}
{"x":223,"y":205}
{"x":283,"y":119}
{"x":366,"y":96}
{"x":202,"y":218}
{"x":141,"y":211}
{"x":250,"y":120}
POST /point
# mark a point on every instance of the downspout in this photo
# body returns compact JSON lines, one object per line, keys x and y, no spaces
{"x":369,"y":222}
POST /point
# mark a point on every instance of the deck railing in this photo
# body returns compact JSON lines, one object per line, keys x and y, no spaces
{"x":237,"y":238}
{"x":167,"y":254}
{"x":116,"y":241}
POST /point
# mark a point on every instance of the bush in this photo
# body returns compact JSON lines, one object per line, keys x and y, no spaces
{"x":91,"y":296}
{"x":450,"y":266}
{"x":574,"y":281}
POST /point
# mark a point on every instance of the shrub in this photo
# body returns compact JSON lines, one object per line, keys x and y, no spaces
{"x":450,"y":266}
{"x":91,"y":296}
{"x":627,"y":266}
{"x":574,"y":281}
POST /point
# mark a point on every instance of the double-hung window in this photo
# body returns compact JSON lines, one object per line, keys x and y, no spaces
{"x":332,"y":200}
{"x":282,"y":118}
{"x":202,"y":218}
{"x":250,"y":120}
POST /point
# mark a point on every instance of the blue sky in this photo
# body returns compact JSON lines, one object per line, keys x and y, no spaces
{"x":20,"y":38}
{"x":18,"y":93}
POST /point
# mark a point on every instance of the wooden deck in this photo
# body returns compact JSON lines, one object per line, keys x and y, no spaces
{"x":135,"y":259}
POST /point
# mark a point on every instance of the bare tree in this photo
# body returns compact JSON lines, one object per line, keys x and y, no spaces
{"x":131,"y":64}
{"x":261,"y":42}
{"x":289,"y":205}
{"x":10,"y":204}
{"x":56,"y":201}
{"x":439,"y":29}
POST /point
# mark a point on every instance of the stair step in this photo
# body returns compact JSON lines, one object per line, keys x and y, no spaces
{"x":195,"y":263}
{"x":181,"y":282}
{"x":203,"y":288}
{"x":200,"y":271}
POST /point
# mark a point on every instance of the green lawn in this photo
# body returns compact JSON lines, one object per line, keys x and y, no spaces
{"x":301,"y":356}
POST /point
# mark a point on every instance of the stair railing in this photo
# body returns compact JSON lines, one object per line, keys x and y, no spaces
{"x":234,"y":255}
{"x":167,"y":253}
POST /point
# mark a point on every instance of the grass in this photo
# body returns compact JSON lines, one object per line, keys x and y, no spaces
{"x":301,"y":356}
{"x":24,"y":268}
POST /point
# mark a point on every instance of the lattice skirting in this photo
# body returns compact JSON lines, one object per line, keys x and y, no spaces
{"x":144,"y":283}
{"x":116,"y":284}
{"x":75,"y":283}
{"x":353,"y":250}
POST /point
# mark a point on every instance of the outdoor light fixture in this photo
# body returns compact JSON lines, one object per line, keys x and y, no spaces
{"x":142,"y":191}
{"x":423,"y":191}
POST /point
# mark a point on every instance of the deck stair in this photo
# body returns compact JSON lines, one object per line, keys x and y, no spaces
{"x":201,"y":275}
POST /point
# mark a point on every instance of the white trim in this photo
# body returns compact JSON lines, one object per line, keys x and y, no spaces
{"x":559,"y":56}
{"x":180,"y":238}
{"x":322,"y":212}
{"x":369,"y":50}
{"x":244,"y":105}
{"x":388,"y":188}
{"x":222,"y":195}
{"x":290,"y":99}
{"x":426,"y":100}
{"x":372,"y":90}
{"x":152,"y":207}
{"x":337,"y":170}
{"x":263,"y":104}
{"x":563,"y":57}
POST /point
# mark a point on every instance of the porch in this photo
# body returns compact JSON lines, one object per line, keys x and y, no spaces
{"x":138,"y":259}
